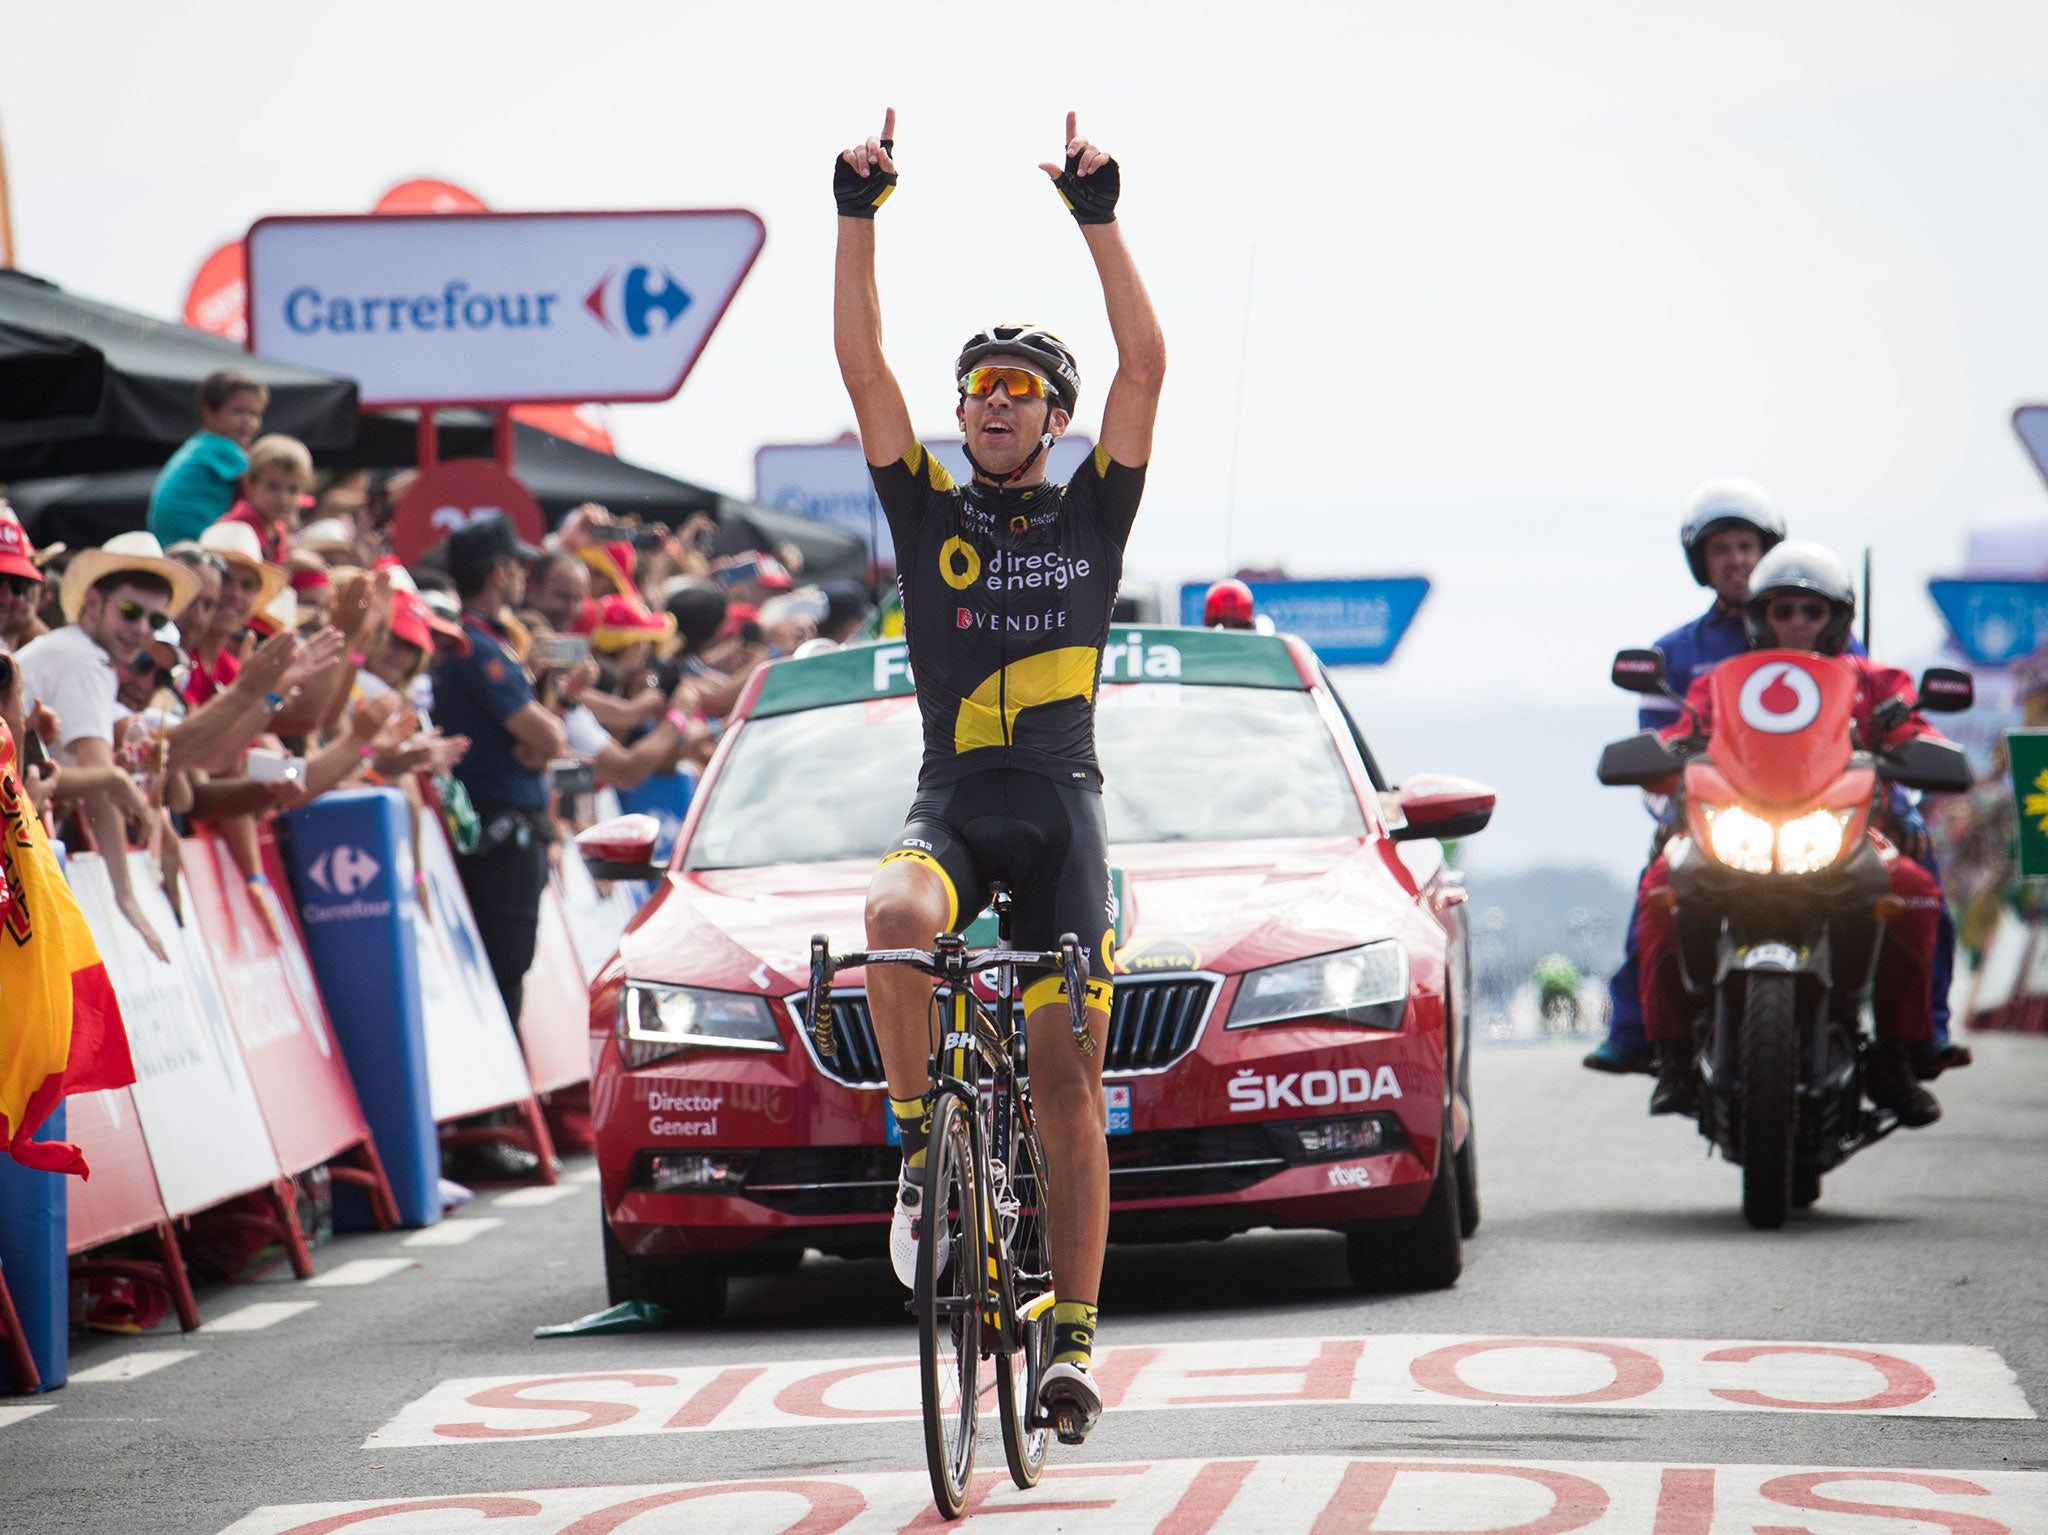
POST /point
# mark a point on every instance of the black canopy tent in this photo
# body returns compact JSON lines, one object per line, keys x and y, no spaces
{"x":86,"y":387}
{"x":87,"y":509}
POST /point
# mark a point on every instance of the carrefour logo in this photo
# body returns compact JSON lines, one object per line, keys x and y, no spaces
{"x":343,"y":870}
{"x":641,"y":301}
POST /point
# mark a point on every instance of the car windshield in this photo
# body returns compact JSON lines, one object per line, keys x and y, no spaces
{"x":1184,"y":764}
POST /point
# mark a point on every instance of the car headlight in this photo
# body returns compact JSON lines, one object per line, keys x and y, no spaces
{"x":1367,"y":986}
{"x":657,"y":1021}
{"x":1809,"y":843}
{"x":1739,"y":838}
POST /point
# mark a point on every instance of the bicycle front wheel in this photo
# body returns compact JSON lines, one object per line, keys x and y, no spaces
{"x":1021,"y":1219}
{"x":950,"y":1287}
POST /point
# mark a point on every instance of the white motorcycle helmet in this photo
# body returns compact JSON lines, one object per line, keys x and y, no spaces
{"x":1723,"y":504}
{"x":1801,"y":565}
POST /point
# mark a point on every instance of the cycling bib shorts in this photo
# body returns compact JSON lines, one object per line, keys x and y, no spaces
{"x":1047,"y":841}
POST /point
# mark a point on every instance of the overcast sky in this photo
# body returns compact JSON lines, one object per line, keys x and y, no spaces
{"x":1524,"y":275}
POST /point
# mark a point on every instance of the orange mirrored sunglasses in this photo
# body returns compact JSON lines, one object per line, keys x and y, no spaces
{"x":1020,"y":382}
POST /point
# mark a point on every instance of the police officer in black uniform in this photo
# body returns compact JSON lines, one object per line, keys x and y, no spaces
{"x":488,"y":696}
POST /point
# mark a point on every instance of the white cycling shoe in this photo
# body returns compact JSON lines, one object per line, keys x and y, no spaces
{"x":1067,"y":1395}
{"x":906,"y":1227}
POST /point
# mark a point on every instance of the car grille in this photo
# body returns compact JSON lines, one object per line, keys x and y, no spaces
{"x":825,"y":1180}
{"x":1153,"y":1022}
{"x":1202,"y":1160}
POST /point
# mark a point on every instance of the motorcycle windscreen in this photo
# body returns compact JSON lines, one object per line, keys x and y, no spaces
{"x":1782,"y":723}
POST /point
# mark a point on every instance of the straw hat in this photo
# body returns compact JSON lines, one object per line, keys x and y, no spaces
{"x":237,"y":543}
{"x":329,"y":535}
{"x":126,"y":551}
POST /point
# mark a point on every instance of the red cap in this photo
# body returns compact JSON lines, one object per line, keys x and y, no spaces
{"x":737,"y":613}
{"x":1228,"y":605}
{"x":417,"y":624}
{"x":310,"y":580}
{"x":17,"y":554}
{"x":622,"y":621}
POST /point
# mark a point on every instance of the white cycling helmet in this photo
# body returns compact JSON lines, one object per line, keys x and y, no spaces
{"x":1801,"y":565}
{"x":1728,"y":503}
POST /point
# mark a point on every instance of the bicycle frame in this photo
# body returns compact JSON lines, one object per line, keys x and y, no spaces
{"x":975,"y":1037}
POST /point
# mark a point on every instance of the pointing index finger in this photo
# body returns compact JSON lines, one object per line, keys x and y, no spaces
{"x":1072,"y":119}
{"x":889,"y":123}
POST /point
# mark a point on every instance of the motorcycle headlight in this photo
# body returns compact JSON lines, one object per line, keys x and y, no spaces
{"x":1739,"y":838}
{"x":1367,"y":986}
{"x":657,"y":1021}
{"x":1809,"y":843}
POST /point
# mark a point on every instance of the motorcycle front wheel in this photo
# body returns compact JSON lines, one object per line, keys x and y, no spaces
{"x":1769,"y":1054}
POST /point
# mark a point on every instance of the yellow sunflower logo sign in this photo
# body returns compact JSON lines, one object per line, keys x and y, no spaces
{"x":2027,"y":751}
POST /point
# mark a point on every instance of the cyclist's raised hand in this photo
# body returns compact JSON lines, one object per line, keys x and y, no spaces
{"x":1089,"y":181}
{"x":865,"y":175}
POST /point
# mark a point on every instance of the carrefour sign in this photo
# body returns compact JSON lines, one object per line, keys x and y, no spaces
{"x":498,"y":308}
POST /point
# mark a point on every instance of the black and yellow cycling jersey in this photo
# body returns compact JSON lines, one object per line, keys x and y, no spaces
{"x":1006,"y":604}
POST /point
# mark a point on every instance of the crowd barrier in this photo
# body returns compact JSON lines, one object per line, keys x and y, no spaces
{"x":2009,"y":990}
{"x":345,"y":1024}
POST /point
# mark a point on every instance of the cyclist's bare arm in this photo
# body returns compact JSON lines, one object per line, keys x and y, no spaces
{"x":885,"y":431}
{"x":1133,"y":400}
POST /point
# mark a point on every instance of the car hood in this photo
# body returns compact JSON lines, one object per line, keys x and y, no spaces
{"x":1215,"y":906}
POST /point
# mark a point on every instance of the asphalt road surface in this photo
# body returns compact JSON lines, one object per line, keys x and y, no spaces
{"x":1602,"y":1366}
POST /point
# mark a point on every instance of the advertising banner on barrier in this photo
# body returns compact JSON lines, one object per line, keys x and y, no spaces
{"x":301,"y":1080}
{"x":597,"y":915}
{"x":120,"y":1198}
{"x":206,"y":1133}
{"x":554,"y":1013}
{"x":473,"y":1060}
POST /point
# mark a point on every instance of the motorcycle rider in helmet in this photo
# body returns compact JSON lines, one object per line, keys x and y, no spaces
{"x":1802,"y":599}
{"x":1228,"y":605}
{"x":1729,"y":525}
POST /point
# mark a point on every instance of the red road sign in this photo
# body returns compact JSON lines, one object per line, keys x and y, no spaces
{"x":458,"y":492}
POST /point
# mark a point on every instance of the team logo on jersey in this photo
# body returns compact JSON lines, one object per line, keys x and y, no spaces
{"x":1779,"y":698}
{"x":958,"y":564}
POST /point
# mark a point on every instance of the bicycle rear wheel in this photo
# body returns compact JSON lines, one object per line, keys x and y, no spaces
{"x":1021,"y":1220}
{"x":949,"y":1301}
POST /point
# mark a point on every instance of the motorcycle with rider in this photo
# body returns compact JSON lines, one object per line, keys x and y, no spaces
{"x":1786,"y":944}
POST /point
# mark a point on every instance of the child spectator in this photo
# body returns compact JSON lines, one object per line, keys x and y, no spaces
{"x":198,"y":484}
{"x":279,"y":474}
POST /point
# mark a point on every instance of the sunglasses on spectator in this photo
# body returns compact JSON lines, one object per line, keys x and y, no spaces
{"x":1812,"y":611}
{"x":1018,"y":383}
{"x":130,"y":611}
{"x":17,"y":586}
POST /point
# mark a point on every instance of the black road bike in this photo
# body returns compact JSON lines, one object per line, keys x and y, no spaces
{"x":984,"y":1259}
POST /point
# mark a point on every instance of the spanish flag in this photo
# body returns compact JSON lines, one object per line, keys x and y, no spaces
{"x":60,"y":1027}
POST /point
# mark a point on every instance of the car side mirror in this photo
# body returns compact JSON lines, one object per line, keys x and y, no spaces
{"x":1439,"y":805}
{"x":1946,"y":690}
{"x":1639,"y":671}
{"x":622,"y":848}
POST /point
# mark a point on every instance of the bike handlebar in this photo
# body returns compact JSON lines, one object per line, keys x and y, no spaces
{"x":1068,"y":959}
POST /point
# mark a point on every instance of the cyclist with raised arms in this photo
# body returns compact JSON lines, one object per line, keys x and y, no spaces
{"x":1007,"y":584}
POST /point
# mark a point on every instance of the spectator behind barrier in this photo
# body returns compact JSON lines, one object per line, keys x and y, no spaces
{"x":21,"y":581}
{"x":279,"y":475}
{"x":197,"y":486}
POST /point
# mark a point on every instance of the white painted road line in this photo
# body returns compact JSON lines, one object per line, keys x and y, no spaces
{"x":17,"y":1414}
{"x":1634,"y":1375}
{"x":258,"y":1315}
{"x":131,"y":1366}
{"x":1266,"y":1495}
{"x":452,"y":1233}
{"x":359,"y":1271}
{"x":539,"y":1194}
{"x":588,"y":1174}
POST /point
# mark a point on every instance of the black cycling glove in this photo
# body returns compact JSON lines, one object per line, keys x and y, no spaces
{"x":859,"y":196}
{"x":1091,"y":198}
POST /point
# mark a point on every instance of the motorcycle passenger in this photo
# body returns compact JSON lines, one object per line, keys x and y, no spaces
{"x":1803,"y":599}
{"x":1729,"y":526}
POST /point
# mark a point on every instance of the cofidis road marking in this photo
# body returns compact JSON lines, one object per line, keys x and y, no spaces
{"x":1267,"y":1495}
{"x":1909,"y":1380}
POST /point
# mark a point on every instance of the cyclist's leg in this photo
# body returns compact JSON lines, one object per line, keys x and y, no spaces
{"x":1068,"y":892}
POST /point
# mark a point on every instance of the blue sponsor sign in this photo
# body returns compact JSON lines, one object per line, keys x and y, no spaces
{"x":1347,"y":623}
{"x":1994,"y":621}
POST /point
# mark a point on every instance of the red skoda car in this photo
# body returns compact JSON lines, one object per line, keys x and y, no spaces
{"x":1288,"y":1045}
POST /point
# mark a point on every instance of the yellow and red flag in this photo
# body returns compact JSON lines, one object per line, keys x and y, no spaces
{"x":60,"y":1026}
